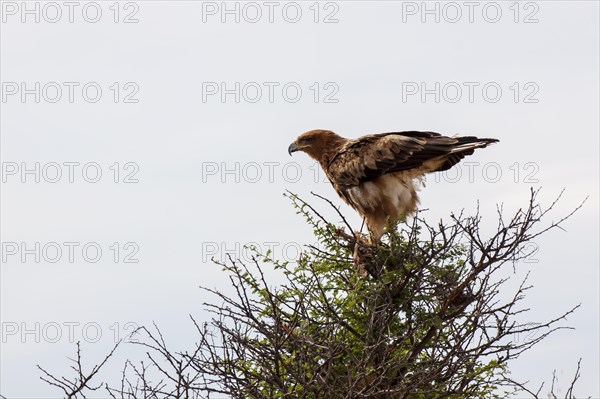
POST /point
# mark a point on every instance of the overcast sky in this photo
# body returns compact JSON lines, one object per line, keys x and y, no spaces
{"x":142,"y":138}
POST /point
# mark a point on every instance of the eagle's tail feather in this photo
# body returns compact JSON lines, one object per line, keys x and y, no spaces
{"x":465,"y":146}
{"x":471,"y":142}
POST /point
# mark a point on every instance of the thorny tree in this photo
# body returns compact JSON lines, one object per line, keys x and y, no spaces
{"x":425,"y":315}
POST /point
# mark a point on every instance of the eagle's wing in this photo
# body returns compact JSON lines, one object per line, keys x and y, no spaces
{"x":372,"y":156}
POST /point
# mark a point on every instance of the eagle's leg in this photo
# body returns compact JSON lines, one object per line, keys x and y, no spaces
{"x":357,"y":242}
{"x":358,"y":258}
{"x":390,"y":224}
{"x":376,"y":229}
{"x":365,"y":249}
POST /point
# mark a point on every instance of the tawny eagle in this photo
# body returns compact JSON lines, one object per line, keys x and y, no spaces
{"x":378,"y":174}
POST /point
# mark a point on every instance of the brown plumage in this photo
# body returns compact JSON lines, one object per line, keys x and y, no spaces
{"x":375,"y":174}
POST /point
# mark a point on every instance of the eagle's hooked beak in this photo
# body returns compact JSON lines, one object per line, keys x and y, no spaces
{"x":292,"y":148}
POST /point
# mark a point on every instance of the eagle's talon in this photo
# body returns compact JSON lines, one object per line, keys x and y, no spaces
{"x":364,"y":254}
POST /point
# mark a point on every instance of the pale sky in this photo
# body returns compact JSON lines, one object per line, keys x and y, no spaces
{"x":140,"y":139}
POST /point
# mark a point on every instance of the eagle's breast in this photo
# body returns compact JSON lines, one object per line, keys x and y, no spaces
{"x":392,"y":195}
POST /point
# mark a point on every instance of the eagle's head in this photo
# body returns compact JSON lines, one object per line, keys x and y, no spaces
{"x":316,"y":143}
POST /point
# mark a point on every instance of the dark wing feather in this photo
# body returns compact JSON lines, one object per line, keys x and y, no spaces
{"x":369,"y":157}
